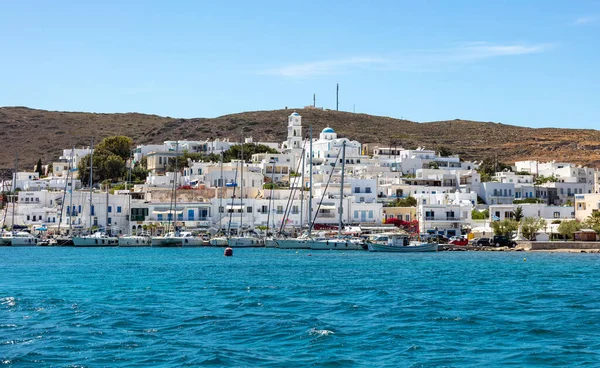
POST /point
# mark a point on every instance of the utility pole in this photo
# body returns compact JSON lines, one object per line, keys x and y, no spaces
{"x":314,"y":100}
{"x":337,"y":97}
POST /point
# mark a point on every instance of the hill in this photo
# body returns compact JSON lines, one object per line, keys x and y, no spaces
{"x":36,"y":134}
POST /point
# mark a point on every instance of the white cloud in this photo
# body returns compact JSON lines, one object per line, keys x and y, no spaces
{"x":411,"y":60}
{"x":586,"y":20}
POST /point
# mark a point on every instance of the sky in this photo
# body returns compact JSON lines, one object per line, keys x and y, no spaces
{"x":528,"y":63}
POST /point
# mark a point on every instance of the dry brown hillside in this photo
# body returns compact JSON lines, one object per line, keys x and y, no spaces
{"x":42,"y":134}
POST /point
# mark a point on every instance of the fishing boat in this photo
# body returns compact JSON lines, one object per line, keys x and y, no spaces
{"x":400,"y":243}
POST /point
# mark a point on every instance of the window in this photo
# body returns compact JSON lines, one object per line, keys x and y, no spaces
{"x":264,"y":209}
{"x":356,"y":189}
{"x":279,"y":209}
{"x":556,"y":214}
{"x":109,"y":209}
{"x":355,"y":214}
{"x":118,"y":209}
{"x":249,"y":209}
{"x":190,"y":215}
{"x":28,"y":218}
{"x":368,"y":190}
{"x":221,"y":209}
{"x":407,"y":217}
{"x":92,"y":211}
{"x":295,"y":210}
{"x":109,"y":220}
{"x":371,"y":214}
{"x":34,"y":218}
{"x":159,"y":217}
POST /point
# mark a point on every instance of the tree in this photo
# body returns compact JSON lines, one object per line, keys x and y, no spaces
{"x":117,"y":145}
{"x":518,"y":213}
{"x":531,"y":225}
{"x":444,"y":151}
{"x":504,"y":227}
{"x":567,"y":228}
{"x":480,"y":215}
{"x":404,"y":202}
{"x":39,"y":169}
{"x":593,"y":221}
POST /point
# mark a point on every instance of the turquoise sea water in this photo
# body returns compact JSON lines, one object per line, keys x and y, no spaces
{"x":269,"y":307}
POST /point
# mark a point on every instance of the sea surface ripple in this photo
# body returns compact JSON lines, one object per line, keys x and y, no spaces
{"x":118,"y":307}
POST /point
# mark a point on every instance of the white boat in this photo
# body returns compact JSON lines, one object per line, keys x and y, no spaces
{"x":20,"y":239}
{"x":5,"y":239}
{"x":135,"y":241}
{"x":293,"y":243}
{"x":245,"y":242}
{"x":400,"y":243}
{"x":168,"y":240}
{"x":189,"y":240}
{"x":337,"y":244}
{"x":219,"y":241}
{"x":97,"y":239}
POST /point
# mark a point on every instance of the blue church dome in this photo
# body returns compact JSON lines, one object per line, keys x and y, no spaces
{"x":328,"y":130}
{"x":295,"y":114}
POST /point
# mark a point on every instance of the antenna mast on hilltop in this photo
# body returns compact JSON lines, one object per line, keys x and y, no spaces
{"x":314,"y":100}
{"x":337,"y":97}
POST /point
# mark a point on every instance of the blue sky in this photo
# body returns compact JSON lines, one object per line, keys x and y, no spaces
{"x":529,"y":63}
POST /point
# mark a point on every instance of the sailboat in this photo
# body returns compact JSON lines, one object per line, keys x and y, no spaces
{"x":97,"y":239}
{"x":170,"y":239}
{"x":133,"y":240}
{"x":339,"y":243}
{"x":243,"y":240}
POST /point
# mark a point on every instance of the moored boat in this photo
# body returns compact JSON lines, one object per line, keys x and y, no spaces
{"x":135,"y":240}
{"x":400,"y":243}
{"x":97,"y":239}
{"x":22,"y":239}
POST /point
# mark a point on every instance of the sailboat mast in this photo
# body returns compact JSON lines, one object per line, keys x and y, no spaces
{"x":71,"y":194}
{"x":341,"y":209}
{"x":129,"y":194}
{"x":310,"y":175}
{"x":14,"y":191}
{"x":302,"y":188}
{"x":241,"y":228}
{"x":271,"y":195}
{"x":91,"y":180}
{"x":175,"y":186}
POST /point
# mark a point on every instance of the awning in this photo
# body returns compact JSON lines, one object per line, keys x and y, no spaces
{"x":166,"y":212}
{"x":235,"y":207}
{"x":324,"y":207}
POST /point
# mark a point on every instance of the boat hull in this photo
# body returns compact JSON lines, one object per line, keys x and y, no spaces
{"x":293,"y":243}
{"x":335,"y":244}
{"x":23,"y":242}
{"x":218,"y":242}
{"x":135,"y":241}
{"x":423,"y":247}
{"x":82,"y":241}
{"x":242,"y":242}
{"x":166,"y":242}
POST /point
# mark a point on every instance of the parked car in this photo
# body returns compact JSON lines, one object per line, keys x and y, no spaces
{"x":483,"y":241}
{"x":459,"y":241}
{"x":503,"y":241}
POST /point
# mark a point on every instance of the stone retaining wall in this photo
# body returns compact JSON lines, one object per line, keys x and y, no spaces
{"x":560,"y":245}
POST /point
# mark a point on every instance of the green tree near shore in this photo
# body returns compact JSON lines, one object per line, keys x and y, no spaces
{"x":593,"y":221}
{"x":504,"y":227}
{"x":567,"y":228}
{"x":531,"y":225}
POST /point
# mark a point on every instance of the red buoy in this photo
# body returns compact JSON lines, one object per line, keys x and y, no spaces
{"x":228,"y":252}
